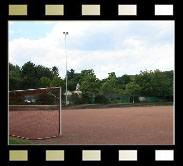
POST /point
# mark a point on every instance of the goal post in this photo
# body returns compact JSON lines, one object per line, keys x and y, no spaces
{"x":35,"y":113}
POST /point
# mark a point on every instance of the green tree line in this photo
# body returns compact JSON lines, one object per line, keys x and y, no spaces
{"x":147,"y":84}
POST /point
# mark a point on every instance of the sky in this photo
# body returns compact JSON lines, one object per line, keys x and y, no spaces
{"x":123,"y":47}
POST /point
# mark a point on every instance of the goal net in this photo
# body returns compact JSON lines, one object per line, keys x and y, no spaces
{"x":35,"y":113}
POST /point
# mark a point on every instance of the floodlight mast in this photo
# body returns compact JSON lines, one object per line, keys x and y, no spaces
{"x":66,"y":33}
{"x":60,"y":112}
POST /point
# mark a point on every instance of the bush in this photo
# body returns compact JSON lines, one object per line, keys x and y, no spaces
{"x":75,"y":99}
{"x":101,"y":99}
{"x":85,"y":99}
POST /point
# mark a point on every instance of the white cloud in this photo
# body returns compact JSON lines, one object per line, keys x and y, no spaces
{"x":130,"y":54}
{"x":162,"y":28}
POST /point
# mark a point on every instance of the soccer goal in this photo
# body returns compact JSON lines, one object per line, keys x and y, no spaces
{"x":35,"y":113}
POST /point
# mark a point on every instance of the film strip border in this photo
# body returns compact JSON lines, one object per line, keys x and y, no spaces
{"x":90,"y":10}
{"x":87,"y":9}
{"x":47,"y":157}
{"x":109,"y":155}
{"x":101,"y":155}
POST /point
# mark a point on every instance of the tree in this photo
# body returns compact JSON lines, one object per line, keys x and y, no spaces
{"x":70,"y":74}
{"x":77,"y":78}
{"x":123,"y":80}
{"x":45,"y":82}
{"x":162,"y":85}
{"x":90,"y":85}
{"x":57,"y":82}
{"x":111,"y":75}
{"x":71,"y":85}
{"x":15,"y":80}
{"x":72,"y":80}
{"x":107,"y":89}
{"x":132,"y":90}
{"x":85,"y":73}
{"x":28,"y":69}
{"x":29,"y":76}
{"x":42,"y":71}
{"x":120,"y":92}
{"x":155,"y":83}
{"x":55,"y":70}
{"x":144,"y":81}
{"x":169,"y":75}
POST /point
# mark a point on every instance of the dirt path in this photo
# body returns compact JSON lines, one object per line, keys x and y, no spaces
{"x":134,"y":125}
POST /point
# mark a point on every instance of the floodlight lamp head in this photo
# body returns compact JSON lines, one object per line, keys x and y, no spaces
{"x":66,"y":33}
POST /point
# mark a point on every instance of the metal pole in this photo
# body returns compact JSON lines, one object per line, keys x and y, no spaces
{"x":66,"y":33}
{"x":60,"y":113}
